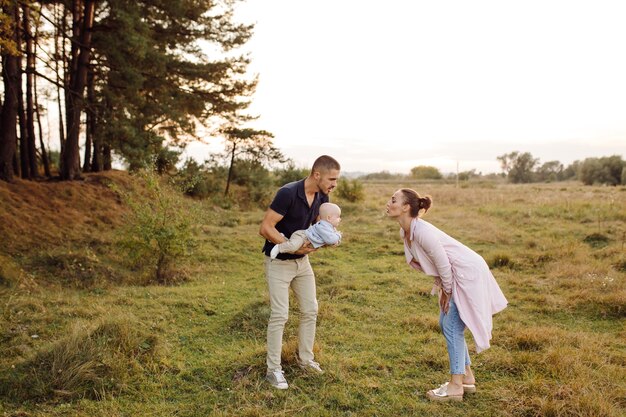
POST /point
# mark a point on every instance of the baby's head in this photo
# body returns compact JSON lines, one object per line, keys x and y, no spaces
{"x":331,"y":213}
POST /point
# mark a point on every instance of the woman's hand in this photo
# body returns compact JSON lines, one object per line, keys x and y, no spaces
{"x":444,"y":301}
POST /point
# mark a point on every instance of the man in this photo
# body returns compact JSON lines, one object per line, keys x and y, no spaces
{"x":295,"y":207}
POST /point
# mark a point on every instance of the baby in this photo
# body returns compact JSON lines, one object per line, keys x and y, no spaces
{"x":321,"y":233}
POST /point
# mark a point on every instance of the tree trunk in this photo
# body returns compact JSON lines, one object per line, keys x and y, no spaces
{"x":44,"y":154}
{"x":8,"y":117}
{"x":71,"y":64}
{"x":21,"y":116}
{"x":30,"y":75}
{"x":70,"y":167}
{"x":24,"y":157}
{"x":59,"y":50}
{"x":106,"y":157}
{"x":16,"y":160}
{"x":96,"y":162}
{"x":91,"y":94}
{"x":230,"y":168}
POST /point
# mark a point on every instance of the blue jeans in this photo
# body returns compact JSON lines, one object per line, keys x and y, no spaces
{"x":453,"y":329}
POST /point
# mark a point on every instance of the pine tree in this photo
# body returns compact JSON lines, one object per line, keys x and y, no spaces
{"x":10,"y":76}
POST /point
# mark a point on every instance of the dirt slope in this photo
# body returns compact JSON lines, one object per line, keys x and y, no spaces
{"x":38,"y":215}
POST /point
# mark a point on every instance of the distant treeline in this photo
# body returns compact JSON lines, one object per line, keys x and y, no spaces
{"x":127,"y":79}
{"x":520,"y":167}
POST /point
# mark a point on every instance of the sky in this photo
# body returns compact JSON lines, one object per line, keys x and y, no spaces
{"x":395,"y":84}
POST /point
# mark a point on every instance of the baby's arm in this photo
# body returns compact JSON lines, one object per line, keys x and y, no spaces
{"x":329,"y":236}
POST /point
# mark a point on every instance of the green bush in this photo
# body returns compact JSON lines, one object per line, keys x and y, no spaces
{"x":158,"y":231}
{"x":289,"y":174}
{"x":606,"y":170}
{"x":425,"y":173}
{"x":199,"y":181}
{"x":350,"y":190}
{"x":251,"y":184}
{"x":383,"y":175}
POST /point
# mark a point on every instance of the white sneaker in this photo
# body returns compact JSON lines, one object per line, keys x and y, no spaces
{"x":276,"y":379}
{"x":274,"y":252}
{"x":311,"y":366}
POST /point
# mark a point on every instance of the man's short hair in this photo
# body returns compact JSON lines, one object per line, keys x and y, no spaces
{"x":325,"y":163}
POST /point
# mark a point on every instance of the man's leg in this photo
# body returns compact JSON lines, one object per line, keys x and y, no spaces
{"x":303,"y":286}
{"x":278,"y":274}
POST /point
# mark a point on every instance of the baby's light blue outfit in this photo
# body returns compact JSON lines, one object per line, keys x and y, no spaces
{"x":319,"y":234}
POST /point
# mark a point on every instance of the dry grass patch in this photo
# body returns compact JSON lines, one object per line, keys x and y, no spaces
{"x":421,"y":323}
{"x":89,"y":362}
{"x":11,"y":274}
{"x":80,"y":268}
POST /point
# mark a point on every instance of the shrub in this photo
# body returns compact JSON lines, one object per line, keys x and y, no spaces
{"x":425,"y":173}
{"x":605,"y":170}
{"x":289,"y":174}
{"x":166,"y":159}
{"x":596,"y":240}
{"x":199,"y":181}
{"x":158,"y":228}
{"x":501,"y":261}
{"x":257,"y":186}
{"x":251,"y":184}
{"x":350,"y":190}
{"x":383,"y":175}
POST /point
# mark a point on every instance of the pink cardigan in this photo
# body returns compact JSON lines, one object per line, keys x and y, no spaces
{"x":462,"y":271}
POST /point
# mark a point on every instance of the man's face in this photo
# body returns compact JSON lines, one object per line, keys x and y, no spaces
{"x":327,"y":180}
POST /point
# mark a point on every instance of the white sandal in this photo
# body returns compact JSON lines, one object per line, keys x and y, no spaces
{"x":441,"y":394}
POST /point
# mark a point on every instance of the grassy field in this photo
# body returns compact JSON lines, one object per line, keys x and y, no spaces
{"x":198,"y":348}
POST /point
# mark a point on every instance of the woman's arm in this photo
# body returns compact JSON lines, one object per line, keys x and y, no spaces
{"x":435,"y":251}
{"x":415,"y":265}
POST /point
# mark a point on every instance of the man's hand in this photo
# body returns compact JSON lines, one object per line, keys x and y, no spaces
{"x":444,"y":301}
{"x":305,"y":249}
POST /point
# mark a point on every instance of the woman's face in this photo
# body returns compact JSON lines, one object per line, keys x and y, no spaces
{"x":395,"y":205}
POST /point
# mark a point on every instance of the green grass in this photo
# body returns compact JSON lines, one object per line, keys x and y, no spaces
{"x":558,"y":349}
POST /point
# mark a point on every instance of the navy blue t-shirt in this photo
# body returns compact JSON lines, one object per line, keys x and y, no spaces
{"x":290,"y":201}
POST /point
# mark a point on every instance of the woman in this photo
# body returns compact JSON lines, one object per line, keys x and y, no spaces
{"x":468,"y":293}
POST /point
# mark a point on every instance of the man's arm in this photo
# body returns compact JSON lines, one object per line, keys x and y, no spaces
{"x":268,"y":231}
{"x":268,"y":227}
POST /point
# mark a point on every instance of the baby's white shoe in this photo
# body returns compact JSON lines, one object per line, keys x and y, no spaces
{"x":274,"y":252}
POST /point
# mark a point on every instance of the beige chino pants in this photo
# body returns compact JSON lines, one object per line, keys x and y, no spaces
{"x":280,"y":275}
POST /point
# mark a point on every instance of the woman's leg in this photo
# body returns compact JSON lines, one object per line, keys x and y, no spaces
{"x":468,"y":378}
{"x":453,"y":330}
